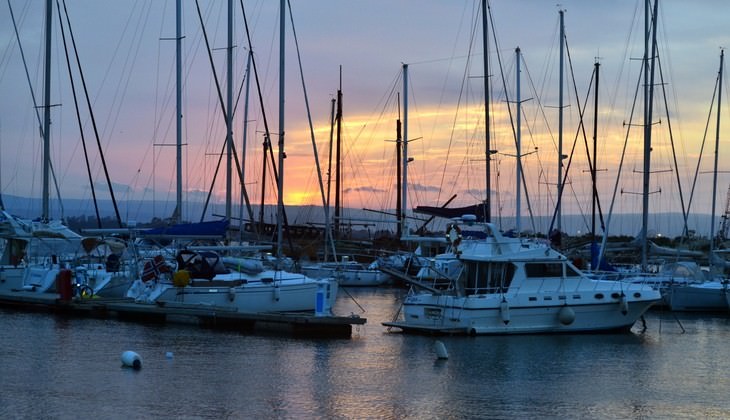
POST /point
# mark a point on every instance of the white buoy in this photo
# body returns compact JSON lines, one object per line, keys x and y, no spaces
{"x":168,"y":355}
{"x":131,"y":359}
{"x":441,"y":352}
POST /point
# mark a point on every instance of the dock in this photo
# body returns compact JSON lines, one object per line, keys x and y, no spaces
{"x":300,"y":324}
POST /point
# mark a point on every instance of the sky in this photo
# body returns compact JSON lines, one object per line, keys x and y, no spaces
{"x":128,"y":60}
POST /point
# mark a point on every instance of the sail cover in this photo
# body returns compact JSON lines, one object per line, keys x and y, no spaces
{"x":212,"y":229}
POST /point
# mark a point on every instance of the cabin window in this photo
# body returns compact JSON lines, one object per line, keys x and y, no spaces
{"x":547,"y":270}
{"x":483,"y":278}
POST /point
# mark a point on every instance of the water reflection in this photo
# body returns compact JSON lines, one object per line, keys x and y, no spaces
{"x":59,"y":367}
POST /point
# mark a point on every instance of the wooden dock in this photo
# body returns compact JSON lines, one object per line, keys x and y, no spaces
{"x":205,"y":316}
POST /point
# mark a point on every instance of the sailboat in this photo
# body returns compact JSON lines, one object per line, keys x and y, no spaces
{"x":201,"y":279}
{"x":487,"y":283}
{"x":712,"y":295}
{"x":31,"y":257}
{"x":345,"y":270}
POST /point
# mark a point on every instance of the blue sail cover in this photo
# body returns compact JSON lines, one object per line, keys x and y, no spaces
{"x":602,"y":265}
{"x":213,"y":229}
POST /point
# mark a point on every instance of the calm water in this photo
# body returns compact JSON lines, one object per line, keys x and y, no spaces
{"x":70,"y":368}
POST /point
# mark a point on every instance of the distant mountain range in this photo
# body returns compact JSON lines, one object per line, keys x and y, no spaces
{"x":664,"y":224}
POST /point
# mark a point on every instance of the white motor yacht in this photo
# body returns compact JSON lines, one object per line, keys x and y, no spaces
{"x":488,"y":283}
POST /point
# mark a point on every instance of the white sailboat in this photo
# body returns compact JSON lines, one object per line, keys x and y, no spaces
{"x":713,"y":295}
{"x":273,"y":290}
{"x":33,"y":249}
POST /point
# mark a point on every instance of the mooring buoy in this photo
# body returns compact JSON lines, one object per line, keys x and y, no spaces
{"x":132,"y":360}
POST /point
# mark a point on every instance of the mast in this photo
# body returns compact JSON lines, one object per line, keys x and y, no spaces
{"x":178,"y":106}
{"x":280,"y":179}
{"x":399,"y":185}
{"x":648,"y":102}
{"x":518,"y":154}
{"x":714,"y":172}
{"x":328,"y":233}
{"x":229,"y":111}
{"x":597,"y":66}
{"x":338,"y":158}
{"x":595,"y":253}
{"x":560,"y":124}
{"x":404,"y":191}
{"x":45,"y":214}
{"x":245,"y":141}
{"x":487,"y":146}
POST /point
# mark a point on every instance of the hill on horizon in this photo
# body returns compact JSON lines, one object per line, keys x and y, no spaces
{"x":660,"y":224}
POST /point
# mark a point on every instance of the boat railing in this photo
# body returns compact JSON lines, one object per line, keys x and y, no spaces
{"x":485,"y":290}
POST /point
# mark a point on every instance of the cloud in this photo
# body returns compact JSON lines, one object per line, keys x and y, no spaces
{"x":423,"y":188}
{"x":365,"y":189}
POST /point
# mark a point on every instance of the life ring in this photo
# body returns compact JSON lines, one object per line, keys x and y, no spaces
{"x":453,"y":235}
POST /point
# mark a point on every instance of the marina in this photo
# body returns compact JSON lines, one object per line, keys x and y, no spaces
{"x":414,"y":259}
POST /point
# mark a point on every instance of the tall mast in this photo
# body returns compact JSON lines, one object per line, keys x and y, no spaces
{"x":648,"y":102}
{"x":594,"y":169}
{"x":245,"y":142}
{"x":487,"y":146}
{"x":518,"y":154}
{"x":229,"y":111}
{"x":399,"y":184}
{"x":717,"y":144}
{"x":404,"y":191}
{"x":45,"y":215}
{"x":560,"y":125}
{"x":338,"y":158}
{"x":282,"y":85}
{"x":178,"y":94}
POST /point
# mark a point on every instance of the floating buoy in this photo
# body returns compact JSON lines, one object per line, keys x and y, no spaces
{"x":168,"y":355}
{"x":441,"y":352}
{"x":131,"y":359}
{"x":624,"y":305}
{"x":504,"y":311}
{"x":566,"y":315}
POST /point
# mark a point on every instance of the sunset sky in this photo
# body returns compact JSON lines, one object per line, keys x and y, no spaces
{"x":128,"y":62}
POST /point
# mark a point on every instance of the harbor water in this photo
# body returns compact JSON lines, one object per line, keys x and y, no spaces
{"x":673,"y":366}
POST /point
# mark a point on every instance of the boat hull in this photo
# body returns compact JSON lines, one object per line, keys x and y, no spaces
{"x":709,"y":296}
{"x":349,"y":277}
{"x":289,"y":295}
{"x":477,"y":315}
